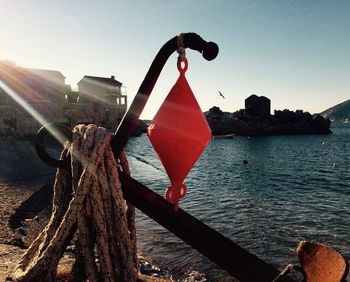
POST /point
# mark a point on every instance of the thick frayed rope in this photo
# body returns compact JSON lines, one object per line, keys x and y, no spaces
{"x":87,"y":199}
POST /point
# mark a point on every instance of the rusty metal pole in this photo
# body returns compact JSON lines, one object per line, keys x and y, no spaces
{"x":225,"y":253}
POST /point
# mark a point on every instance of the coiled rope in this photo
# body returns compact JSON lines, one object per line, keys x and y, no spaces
{"x":88,"y":200}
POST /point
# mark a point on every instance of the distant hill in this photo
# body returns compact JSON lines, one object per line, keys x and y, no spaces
{"x":340,"y":112}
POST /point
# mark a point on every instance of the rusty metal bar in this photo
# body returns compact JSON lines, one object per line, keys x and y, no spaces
{"x":231,"y":257}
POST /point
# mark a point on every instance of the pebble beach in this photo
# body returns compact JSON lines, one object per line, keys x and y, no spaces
{"x":25,"y":206}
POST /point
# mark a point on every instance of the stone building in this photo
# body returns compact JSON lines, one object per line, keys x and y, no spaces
{"x":101,"y":101}
{"x":31,"y":98}
{"x":256,"y":106}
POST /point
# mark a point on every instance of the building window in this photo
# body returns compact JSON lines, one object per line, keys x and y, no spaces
{"x":113,"y":89}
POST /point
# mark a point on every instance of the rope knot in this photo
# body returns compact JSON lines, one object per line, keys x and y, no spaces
{"x":181,"y":50}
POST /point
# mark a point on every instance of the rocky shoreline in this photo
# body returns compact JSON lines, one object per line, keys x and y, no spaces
{"x":22,"y":175}
{"x":284,"y":122}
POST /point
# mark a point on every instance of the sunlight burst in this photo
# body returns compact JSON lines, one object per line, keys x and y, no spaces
{"x":30,"y":110}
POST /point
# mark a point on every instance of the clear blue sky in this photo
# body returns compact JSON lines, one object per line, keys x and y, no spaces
{"x":297,"y":53}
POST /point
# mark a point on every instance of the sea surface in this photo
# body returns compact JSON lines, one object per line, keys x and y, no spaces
{"x":293,"y":188}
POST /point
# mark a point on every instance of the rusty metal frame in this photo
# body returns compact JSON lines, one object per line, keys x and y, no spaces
{"x":231,"y":257}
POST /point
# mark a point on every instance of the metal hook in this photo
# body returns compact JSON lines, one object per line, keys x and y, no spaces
{"x":209,"y":51}
{"x":57,"y":131}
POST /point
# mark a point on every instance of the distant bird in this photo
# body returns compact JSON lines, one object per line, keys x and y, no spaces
{"x":221,"y":94}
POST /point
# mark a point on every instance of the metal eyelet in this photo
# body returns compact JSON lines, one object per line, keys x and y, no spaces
{"x":62,"y":132}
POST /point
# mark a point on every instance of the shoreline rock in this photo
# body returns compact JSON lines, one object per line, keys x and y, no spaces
{"x":281,"y":123}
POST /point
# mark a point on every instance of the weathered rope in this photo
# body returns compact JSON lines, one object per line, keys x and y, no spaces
{"x":181,"y":50}
{"x":87,"y":199}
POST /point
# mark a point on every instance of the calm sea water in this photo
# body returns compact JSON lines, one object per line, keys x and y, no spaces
{"x":294,"y":188}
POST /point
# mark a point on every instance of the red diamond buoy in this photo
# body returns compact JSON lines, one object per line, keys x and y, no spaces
{"x":179,"y":133}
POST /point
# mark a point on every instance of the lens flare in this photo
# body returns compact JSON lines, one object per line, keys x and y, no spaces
{"x":30,"y":110}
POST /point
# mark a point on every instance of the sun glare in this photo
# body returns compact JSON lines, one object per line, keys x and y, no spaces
{"x":96,"y":98}
{"x":30,"y":110}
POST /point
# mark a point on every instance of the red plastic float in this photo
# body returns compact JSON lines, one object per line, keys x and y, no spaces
{"x":179,"y":133}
